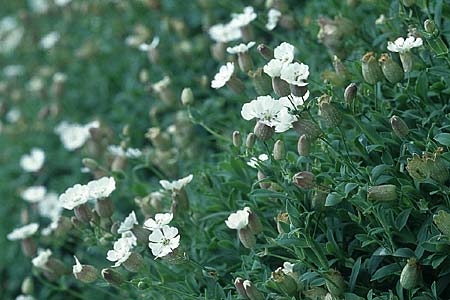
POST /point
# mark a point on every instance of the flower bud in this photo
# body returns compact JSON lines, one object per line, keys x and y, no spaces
{"x":283,"y":222}
{"x":254,"y":223}
{"x":112,"y":277}
{"x":350,"y":93}
{"x":90,"y":163}
{"x":104,"y":207}
{"x":265,"y":51}
{"x":218,"y":51}
{"x":265,"y":184}
{"x":411,"y":275}
{"x":371,"y":70}
{"x":263,"y":131}
{"x":430,"y":26}
{"x":84,"y":273}
{"x":331,"y":115}
{"x":408,"y":3}
{"x":339,"y":68}
{"x":27,"y":286}
{"x":250,"y":141}
{"x":245,"y":61}
{"x":236,"y":85}
{"x":391,"y":70}
{"x":303,"y":146}
{"x":304,"y":180}
{"x":239,"y":285}
{"x":305,"y":126}
{"x":247,"y":238}
{"x":335,"y":283}
{"x":382,"y":193}
{"x":285,"y":282}
{"x":29,"y":247}
{"x":261,"y":82}
{"x":280,"y":87}
{"x":252,"y":292}
{"x":399,"y":126}
{"x":187,"y":97}
{"x":83,"y":213}
{"x":279,"y":150}
{"x":428,"y":166}
{"x":57,"y":267}
{"x":134,"y":262}
{"x":237,"y":139}
{"x":442,"y":221}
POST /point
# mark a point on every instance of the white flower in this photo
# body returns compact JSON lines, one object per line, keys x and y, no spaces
{"x":146,"y":47}
{"x":129,"y":152}
{"x":295,"y":73}
{"x":243,"y":19}
{"x":121,"y":251}
{"x":241,"y":48}
{"x":42,"y":258}
{"x":74,"y":136}
{"x":273,"y":68}
{"x":128,"y":223}
{"x":13,"y":115}
{"x":159,"y":221}
{"x":288,"y":268}
{"x":101,"y":188}
{"x":11,"y":33}
{"x":25,"y":297}
{"x":129,"y":235}
{"x":59,"y":77}
{"x":133,"y":153}
{"x":253,"y":162}
{"x":273,"y":16}
{"x":284,"y":52}
{"x":62,"y":2}
{"x":77,"y":267}
{"x":238,"y":220}
{"x":33,"y":162}
{"x":176,"y":185}
{"x":163,"y":241}
{"x":50,"y":206}
{"x":292,"y":102}
{"x":49,"y":40}
{"x":222,"y":77}
{"x":13,"y":70}
{"x":285,"y":120}
{"x":34,"y":194}
{"x":380,"y":20}
{"x":23,"y":232}
{"x":39,"y":6}
{"x":402,"y":45}
{"x":224,"y":33}
{"x":162,"y":84}
{"x":74,"y":196}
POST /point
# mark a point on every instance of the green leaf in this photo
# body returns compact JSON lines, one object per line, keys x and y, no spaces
{"x":386,"y":271}
{"x":333,"y":199}
{"x":354,"y":275}
{"x":443,"y":138}
{"x":402,"y":219}
{"x":422,"y":85}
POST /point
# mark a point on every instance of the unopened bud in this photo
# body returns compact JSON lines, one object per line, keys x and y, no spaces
{"x":399,"y":127}
{"x":283,"y":222}
{"x":263,"y":184}
{"x":442,"y":221}
{"x":265,"y":52}
{"x":134,"y":263}
{"x":382,"y":193}
{"x":57,"y":267}
{"x":335,"y":283}
{"x":303,"y":145}
{"x":250,"y":141}
{"x":280,"y":87}
{"x":84,"y":273}
{"x":306,"y":126}
{"x":430,"y":26}
{"x":254,"y":223}
{"x":304,"y":180}
{"x":279,"y":150}
{"x":371,"y":70}
{"x":29,"y":247}
{"x":411,"y":275}
{"x":236,"y":85}
{"x":350,"y":93}
{"x":90,"y":163}
{"x":237,"y":139}
{"x":263,"y":131}
{"x":285,"y":282}
{"x":391,"y":70}
{"x":27,"y":286}
{"x":83,"y":213}
{"x":329,"y":112}
{"x":247,"y":238}
{"x":239,"y":285}
{"x":261,"y":82}
{"x":104,"y":207}
{"x":112,"y":277}
{"x":252,"y":292}
{"x":187,"y":97}
{"x":245,"y":61}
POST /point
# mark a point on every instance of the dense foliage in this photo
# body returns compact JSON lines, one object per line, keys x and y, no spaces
{"x":309,"y":162}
